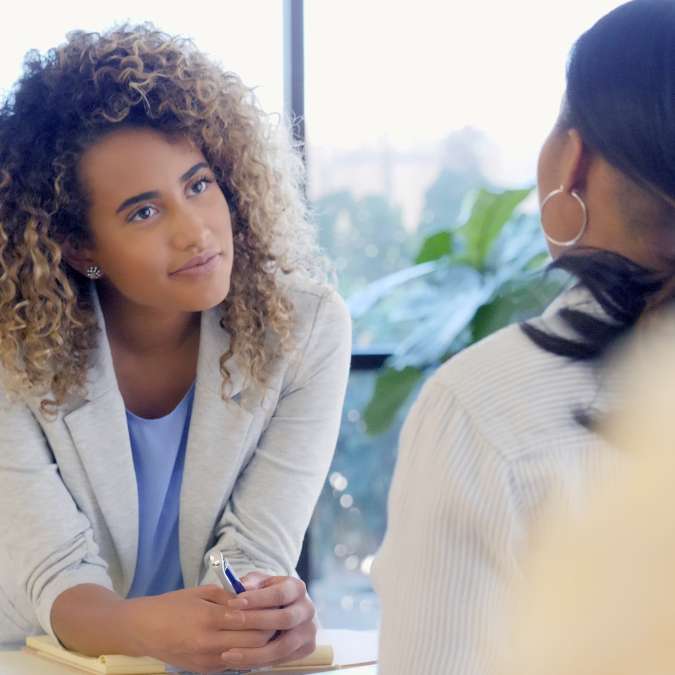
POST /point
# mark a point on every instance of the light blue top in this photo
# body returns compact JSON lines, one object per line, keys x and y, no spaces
{"x":158,"y":449}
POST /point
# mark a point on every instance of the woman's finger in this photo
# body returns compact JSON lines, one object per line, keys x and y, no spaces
{"x":219,"y":641}
{"x":284,"y":618}
{"x":305,"y":650}
{"x":284,"y":592}
{"x":281,"y":649}
{"x":223,"y":618}
{"x":213,"y":593}
{"x":254,"y":580}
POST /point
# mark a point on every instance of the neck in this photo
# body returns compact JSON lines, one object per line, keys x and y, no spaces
{"x":145,"y":330}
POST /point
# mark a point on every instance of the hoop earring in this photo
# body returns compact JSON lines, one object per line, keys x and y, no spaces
{"x":94,"y":272}
{"x":584,"y":211}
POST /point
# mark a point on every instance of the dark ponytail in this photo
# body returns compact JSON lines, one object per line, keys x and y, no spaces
{"x":620,"y":287}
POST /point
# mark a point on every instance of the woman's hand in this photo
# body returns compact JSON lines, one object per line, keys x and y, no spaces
{"x":192,"y":628}
{"x":278,"y":604}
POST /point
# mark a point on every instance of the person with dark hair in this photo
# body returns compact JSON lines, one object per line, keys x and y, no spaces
{"x":509,"y":422}
{"x":173,"y":360}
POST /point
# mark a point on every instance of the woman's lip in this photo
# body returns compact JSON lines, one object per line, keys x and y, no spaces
{"x":198,"y":270}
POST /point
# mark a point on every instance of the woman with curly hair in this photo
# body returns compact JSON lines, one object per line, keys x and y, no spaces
{"x":173,"y":362}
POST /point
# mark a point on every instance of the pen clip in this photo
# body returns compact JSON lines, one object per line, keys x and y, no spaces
{"x":225,"y":573}
{"x":218,"y":563}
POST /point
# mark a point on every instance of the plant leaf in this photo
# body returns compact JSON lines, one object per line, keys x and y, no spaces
{"x":359,"y":303}
{"x":488,"y":216}
{"x":435,"y":246}
{"x":392,"y":389}
{"x":457,"y":302}
{"x":516,"y":300}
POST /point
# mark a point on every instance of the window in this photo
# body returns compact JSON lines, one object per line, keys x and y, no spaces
{"x":246,"y":38}
{"x":409,"y":106}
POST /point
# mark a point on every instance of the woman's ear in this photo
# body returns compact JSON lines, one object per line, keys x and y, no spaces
{"x":77,"y":256}
{"x":574,"y":161}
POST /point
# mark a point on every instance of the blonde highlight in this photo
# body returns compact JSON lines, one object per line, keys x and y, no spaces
{"x":82,"y":90}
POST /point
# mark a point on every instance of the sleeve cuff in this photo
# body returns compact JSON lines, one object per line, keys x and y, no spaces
{"x":86,"y":574}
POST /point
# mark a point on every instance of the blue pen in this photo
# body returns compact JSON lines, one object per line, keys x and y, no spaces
{"x":225,"y":573}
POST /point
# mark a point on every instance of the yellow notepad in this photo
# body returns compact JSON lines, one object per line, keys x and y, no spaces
{"x":116,"y":664}
{"x":48,"y":647}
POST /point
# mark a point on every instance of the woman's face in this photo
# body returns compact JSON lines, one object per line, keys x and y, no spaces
{"x":161,"y":227}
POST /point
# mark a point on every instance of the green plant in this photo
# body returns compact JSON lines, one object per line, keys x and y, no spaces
{"x":467,"y":282}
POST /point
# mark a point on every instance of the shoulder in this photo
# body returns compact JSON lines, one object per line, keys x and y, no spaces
{"x":19,"y":421}
{"x":506,"y":361}
{"x":514,"y":393}
{"x":495,"y":425}
{"x":317,"y":307}
{"x":508,"y":369}
{"x":10,"y":398}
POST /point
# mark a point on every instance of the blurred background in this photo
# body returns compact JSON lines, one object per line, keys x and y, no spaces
{"x":421,"y":124}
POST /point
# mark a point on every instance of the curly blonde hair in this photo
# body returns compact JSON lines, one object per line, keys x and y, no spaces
{"x":66,"y":101}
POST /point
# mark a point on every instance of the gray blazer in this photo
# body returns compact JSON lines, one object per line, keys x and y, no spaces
{"x":254,"y":467}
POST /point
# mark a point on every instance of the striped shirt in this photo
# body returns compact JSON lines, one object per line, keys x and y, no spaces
{"x":491,"y":437}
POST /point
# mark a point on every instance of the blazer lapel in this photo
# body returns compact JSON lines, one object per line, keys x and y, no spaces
{"x":98,"y":428}
{"x":218,"y":428}
{"x":215,"y":442}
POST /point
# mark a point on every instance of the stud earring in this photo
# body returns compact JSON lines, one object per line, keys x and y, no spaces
{"x":94,"y":272}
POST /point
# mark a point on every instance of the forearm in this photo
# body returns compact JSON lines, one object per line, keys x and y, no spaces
{"x":93,"y":620}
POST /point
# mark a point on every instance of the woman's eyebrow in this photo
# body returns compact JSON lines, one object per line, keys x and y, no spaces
{"x":137,"y":198}
{"x":154,"y":194}
{"x":191,"y":172}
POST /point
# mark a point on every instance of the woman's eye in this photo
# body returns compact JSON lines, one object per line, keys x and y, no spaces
{"x":143,"y":213}
{"x":200,"y":186}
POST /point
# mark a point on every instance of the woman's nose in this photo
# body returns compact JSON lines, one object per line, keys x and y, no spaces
{"x":189,"y":230}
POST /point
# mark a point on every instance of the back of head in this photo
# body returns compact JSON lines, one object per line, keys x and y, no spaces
{"x":621,"y":92}
{"x":620,"y":98}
